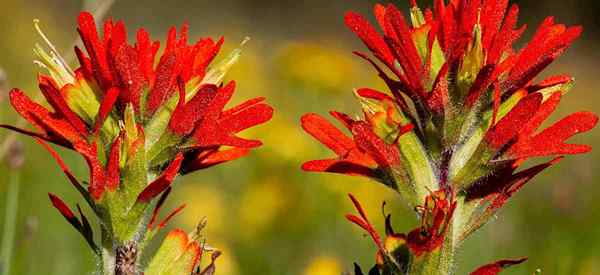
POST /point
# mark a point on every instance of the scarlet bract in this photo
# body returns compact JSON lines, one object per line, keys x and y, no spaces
{"x":460,"y":118}
{"x":138,"y":125}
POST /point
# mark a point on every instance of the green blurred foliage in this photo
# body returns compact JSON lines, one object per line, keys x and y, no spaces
{"x":267,"y":215}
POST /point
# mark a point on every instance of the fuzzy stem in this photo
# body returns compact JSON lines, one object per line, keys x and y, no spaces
{"x":107,"y":267}
{"x":10,"y":217}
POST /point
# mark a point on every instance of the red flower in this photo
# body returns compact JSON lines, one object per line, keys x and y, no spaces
{"x":115,"y":74}
{"x":462,"y":115}
{"x":137,"y":125}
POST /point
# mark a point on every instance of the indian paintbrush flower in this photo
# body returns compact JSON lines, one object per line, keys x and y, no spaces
{"x":138,"y":118}
{"x":462,"y":115}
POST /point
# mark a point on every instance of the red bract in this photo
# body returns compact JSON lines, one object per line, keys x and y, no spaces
{"x":138,"y":119}
{"x":495,"y":268}
{"x":435,"y":214}
{"x":351,"y":160}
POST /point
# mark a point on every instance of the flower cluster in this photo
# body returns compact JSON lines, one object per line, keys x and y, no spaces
{"x":138,"y":119}
{"x":462,"y":115}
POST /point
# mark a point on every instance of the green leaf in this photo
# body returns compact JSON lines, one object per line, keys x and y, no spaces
{"x":177,"y":255}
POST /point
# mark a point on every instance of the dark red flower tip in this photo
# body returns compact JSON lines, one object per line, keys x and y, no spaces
{"x":62,"y":207}
{"x":66,"y":212}
{"x":211,"y":158}
{"x":163,"y":182}
{"x":364,"y":223}
{"x":552,"y":81}
{"x":497,"y":267}
{"x":504,"y":183}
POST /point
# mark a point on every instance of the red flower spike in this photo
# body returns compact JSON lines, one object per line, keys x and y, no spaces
{"x":463,"y":47}
{"x":162,"y":182}
{"x":497,"y":267}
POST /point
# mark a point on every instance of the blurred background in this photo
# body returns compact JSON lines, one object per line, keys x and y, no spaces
{"x":264,"y":213}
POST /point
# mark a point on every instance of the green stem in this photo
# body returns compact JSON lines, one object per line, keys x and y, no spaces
{"x":10,"y":218}
{"x":108,"y":262}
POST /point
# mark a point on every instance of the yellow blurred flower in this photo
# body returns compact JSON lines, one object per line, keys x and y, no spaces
{"x":323,"y":265}
{"x":260,"y":205}
{"x":316,"y":66}
{"x":203,"y":200}
{"x":297,"y":144}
